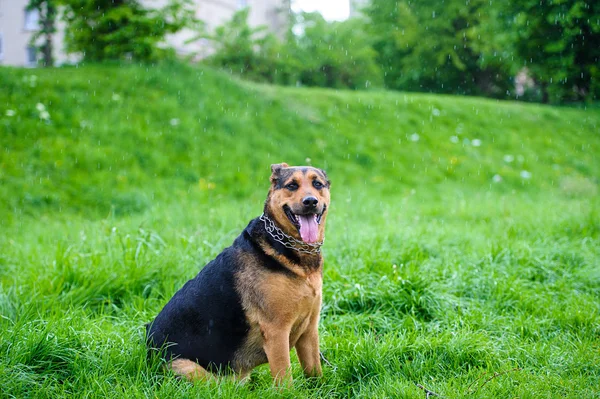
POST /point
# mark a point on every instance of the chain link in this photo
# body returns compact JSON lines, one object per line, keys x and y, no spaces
{"x":289,"y":241}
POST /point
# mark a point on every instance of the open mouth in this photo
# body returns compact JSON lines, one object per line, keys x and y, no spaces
{"x":307,"y":224}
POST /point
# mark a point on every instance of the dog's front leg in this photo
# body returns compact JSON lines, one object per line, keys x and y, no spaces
{"x":277,"y":347}
{"x":307,"y":348}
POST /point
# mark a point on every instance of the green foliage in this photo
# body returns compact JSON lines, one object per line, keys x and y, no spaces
{"x":454,"y":47}
{"x":436,"y":272}
{"x":325,"y":54}
{"x":250,"y":52}
{"x":47,"y":11}
{"x":472,"y":47}
{"x":558,"y":43}
{"x":102,"y":30}
{"x":334,"y":54}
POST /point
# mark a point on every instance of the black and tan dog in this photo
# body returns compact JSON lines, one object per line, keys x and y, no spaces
{"x":261,"y":296}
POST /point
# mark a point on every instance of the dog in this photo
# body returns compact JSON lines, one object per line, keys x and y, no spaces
{"x":258,"y":298}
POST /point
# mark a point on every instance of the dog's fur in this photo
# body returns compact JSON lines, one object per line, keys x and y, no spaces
{"x":257,"y":299}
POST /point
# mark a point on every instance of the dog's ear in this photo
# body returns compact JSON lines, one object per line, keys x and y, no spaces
{"x":275,"y":169}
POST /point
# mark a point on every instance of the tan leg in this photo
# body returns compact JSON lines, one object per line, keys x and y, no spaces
{"x":277,"y":347}
{"x":190,"y":370}
{"x":307,"y":348}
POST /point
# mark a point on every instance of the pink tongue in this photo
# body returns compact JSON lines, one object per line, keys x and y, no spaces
{"x":308,"y":228}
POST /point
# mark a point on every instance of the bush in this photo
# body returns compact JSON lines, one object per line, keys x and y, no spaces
{"x":324,"y":54}
{"x":336,"y":54}
{"x":452,"y":48}
{"x":103,"y":30}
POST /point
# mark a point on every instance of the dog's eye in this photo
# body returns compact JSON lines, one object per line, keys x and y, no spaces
{"x":292,"y":186}
{"x":317,"y":184}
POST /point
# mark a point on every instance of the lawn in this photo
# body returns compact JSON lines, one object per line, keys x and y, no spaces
{"x":462,"y":251}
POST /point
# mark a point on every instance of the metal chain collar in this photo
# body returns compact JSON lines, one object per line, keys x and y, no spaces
{"x":289,"y":241}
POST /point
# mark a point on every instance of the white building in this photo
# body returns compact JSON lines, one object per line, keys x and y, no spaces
{"x":17,"y":25}
{"x":16,"y":28}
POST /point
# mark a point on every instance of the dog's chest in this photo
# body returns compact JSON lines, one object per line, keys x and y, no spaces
{"x":308,"y":303}
{"x":293,"y":304}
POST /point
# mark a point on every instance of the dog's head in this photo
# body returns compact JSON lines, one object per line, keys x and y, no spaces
{"x":298,"y":201}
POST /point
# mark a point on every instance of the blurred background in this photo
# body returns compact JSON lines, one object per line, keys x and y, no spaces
{"x":528,"y":50}
{"x":106,"y":102}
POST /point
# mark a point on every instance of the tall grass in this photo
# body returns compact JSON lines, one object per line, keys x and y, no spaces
{"x":437,"y":272}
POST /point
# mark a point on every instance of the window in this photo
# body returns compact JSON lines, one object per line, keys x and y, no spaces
{"x":242,"y":4}
{"x":32,"y":20}
{"x":31,"y":56}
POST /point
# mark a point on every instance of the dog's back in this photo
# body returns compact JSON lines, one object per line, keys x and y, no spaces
{"x":205,"y":317}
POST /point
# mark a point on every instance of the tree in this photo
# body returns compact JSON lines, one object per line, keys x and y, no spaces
{"x":452,"y":47}
{"x":123,"y":29}
{"x":242,"y":49}
{"x":47,"y":16}
{"x":559,"y":43}
{"x":335,"y":54}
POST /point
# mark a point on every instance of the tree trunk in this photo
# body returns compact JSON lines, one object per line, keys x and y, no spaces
{"x":545,"y":96}
{"x":48,"y":29}
{"x":47,"y":52}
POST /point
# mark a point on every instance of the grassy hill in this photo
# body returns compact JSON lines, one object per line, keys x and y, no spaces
{"x":115,"y":138}
{"x":463,"y":237}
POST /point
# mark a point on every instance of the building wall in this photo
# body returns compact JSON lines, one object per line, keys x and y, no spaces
{"x":15,"y":38}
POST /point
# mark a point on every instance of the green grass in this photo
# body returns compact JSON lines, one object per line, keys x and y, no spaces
{"x":435,"y":273}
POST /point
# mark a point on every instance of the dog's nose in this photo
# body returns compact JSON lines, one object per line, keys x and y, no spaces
{"x":310,"y":201}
